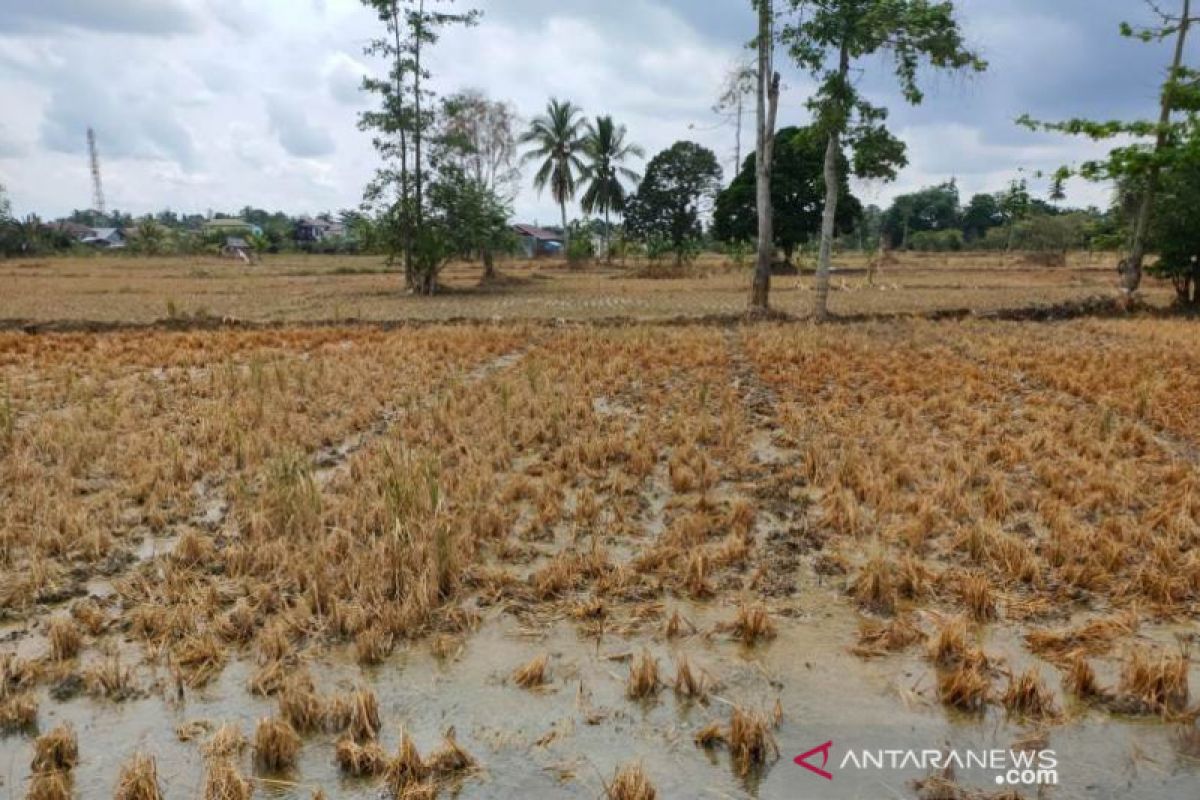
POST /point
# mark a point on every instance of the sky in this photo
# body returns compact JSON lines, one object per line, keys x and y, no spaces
{"x":203,"y":105}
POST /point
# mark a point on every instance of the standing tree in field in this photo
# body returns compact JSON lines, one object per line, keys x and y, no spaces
{"x":476,"y":152}
{"x":767,"y":95}
{"x":797,"y":195}
{"x":1174,"y":231}
{"x":556,"y":138}
{"x":1162,"y":143}
{"x":934,"y":208}
{"x":607,"y":151}
{"x":1015,"y":205}
{"x":402,"y":126}
{"x":740,"y":83}
{"x":827,"y":38}
{"x":484,"y":140}
{"x":680,"y":185}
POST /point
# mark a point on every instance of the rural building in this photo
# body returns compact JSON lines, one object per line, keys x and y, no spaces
{"x":105,"y":238}
{"x":73,"y":229}
{"x":318,"y":230}
{"x":535,"y":241}
{"x":230,"y":226}
{"x":237,"y":247}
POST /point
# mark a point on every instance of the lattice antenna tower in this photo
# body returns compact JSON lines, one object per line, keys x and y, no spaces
{"x":97,"y":186}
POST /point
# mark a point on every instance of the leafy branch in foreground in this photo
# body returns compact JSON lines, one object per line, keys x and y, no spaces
{"x":1140,"y":165}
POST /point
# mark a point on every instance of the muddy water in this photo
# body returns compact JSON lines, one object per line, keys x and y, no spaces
{"x":562,"y":740}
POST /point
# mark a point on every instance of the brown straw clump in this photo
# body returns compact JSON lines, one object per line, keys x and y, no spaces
{"x":139,"y":780}
{"x":276,"y":745}
{"x":630,"y":782}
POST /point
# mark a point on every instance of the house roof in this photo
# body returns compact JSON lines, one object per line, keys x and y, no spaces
{"x":227,"y":222}
{"x":105,"y":233}
{"x":534,"y":232}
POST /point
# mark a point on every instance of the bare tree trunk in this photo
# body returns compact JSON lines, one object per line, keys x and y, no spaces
{"x":832,"y":191}
{"x":409,"y":277}
{"x":417,"y":125}
{"x":566,"y":233}
{"x":768,"y":109}
{"x":489,"y":265}
{"x":1131,"y":268}
{"x":828,"y":222}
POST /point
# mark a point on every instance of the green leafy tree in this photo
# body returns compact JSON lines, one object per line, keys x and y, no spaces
{"x":1015,"y":206}
{"x":607,"y":151}
{"x":556,"y":139}
{"x":797,"y":195}
{"x":680,"y":185}
{"x":935,"y":208}
{"x":401,"y":126}
{"x":150,"y":238}
{"x":826,"y":39}
{"x":1158,"y":145}
{"x":472,"y":215}
{"x":981,"y":214}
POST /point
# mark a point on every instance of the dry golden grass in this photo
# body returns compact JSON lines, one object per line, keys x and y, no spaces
{"x":689,"y":683}
{"x":643,"y":681}
{"x":56,"y":751}
{"x":227,"y":742}
{"x":222,"y":781}
{"x":139,"y":779}
{"x":51,"y":785}
{"x":276,"y":745}
{"x":753,"y":624}
{"x":532,"y":674}
{"x":1027,"y":696}
{"x":1154,"y":681}
{"x":630,"y":782}
{"x":65,"y":638}
{"x":407,"y":769}
{"x":750,"y":740}
{"x":933,"y":474}
{"x":361,"y":760}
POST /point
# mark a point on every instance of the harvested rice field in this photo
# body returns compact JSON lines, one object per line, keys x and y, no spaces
{"x":529,"y":560}
{"x":112,"y":288}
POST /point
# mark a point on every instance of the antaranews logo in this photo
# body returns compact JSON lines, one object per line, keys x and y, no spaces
{"x":1011,"y":767}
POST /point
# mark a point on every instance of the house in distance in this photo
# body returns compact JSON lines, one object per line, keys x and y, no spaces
{"x":535,"y":242}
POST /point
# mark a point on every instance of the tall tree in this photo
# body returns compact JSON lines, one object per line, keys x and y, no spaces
{"x":740,"y":84}
{"x":607,"y":151}
{"x":401,"y":125}
{"x":476,"y":150}
{"x":981,"y":214}
{"x":767,"y":95}
{"x":1015,"y":205}
{"x":826,"y":39}
{"x":680,"y":184}
{"x":797,"y":195}
{"x":479,"y":133}
{"x":931,"y":209}
{"x":1143,"y":162}
{"x":556,"y":138}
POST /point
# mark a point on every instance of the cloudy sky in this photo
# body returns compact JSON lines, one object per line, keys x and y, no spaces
{"x":216,"y":104}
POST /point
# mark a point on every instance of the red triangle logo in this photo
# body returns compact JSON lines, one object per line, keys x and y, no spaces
{"x":824,"y":749}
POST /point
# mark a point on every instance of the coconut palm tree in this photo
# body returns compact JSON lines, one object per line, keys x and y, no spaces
{"x":556,"y":140}
{"x":605,"y":147}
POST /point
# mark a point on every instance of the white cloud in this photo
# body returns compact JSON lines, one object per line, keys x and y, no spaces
{"x":222,"y":103}
{"x":296,"y":133}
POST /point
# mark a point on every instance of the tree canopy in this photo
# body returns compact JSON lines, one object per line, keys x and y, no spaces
{"x":680,"y":185}
{"x":797,"y":194}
